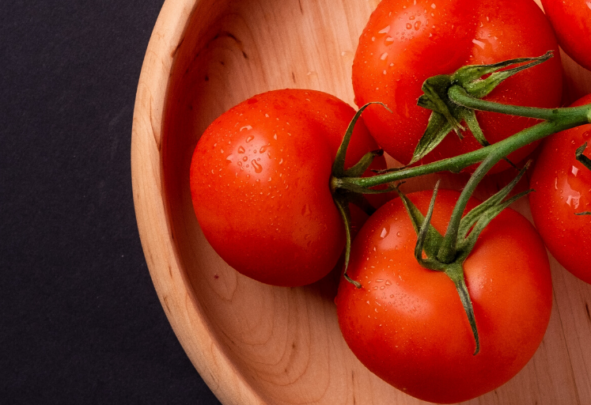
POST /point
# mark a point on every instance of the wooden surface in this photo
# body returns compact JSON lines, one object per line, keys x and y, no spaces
{"x":252,"y":343}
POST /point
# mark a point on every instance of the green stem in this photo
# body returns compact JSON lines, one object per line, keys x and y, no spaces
{"x":461,"y":97}
{"x":562,"y":118}
{"x":447,"y":251}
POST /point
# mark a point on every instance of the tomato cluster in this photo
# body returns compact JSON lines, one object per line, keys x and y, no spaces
{"x":263,"y":188}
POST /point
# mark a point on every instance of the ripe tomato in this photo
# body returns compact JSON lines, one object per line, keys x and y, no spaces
{"x":407,"y":324}
{"x":563,"y":188}
{"x":260,"y":184}
{"x":407,"y":41}
{"x":572,"y":23}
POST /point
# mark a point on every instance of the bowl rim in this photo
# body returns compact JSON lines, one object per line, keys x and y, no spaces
{"x":183,"y":311}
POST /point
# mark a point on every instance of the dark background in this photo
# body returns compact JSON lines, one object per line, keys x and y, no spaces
{"x":80,"y":322}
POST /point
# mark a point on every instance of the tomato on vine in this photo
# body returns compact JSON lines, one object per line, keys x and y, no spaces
{"x":407,"y":324}
{"x":407,"y":41}
{"x":260,"y":184}
{"x":563,"y":193}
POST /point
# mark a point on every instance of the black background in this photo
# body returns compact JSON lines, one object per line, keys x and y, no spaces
{"x":80,"y":322}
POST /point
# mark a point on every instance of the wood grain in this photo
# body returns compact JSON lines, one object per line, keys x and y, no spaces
{"x":253,"y":343}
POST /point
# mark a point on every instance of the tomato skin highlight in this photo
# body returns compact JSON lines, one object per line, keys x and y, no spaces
{"x":260,"y":184}
{"x":407,"y":325}
{"x":563,"y":188}
{"x":571,"y":21}
{"x":406,"y":42}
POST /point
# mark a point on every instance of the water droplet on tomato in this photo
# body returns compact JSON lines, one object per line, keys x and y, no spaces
{"x":306,"y":210}
{"x":257,"y":166}
{"x":241,"y":150}
{"x":417,"y":25}
{"x":230,"y":158}
{"x":246,"y":128}
{"x":478,"y":43}
{"x":384,"y":232}
{"x":398,"y":234}
{"x":575,"y":171}
{"x":573,"y":200}
{"x":250,"y":138}
{"x":408,"y":26}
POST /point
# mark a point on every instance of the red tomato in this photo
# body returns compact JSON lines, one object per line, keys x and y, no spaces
{"x":563,"y":188}
{"x":260,"y":184}
{"x":407,"y":324}
{"x":407,"y":41}
{"x":572,"y":23}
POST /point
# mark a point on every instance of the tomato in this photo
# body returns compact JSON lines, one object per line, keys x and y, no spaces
{"x":407,"y":41}
{"x":260,"y":184}
{"x":572,"y":23}
{"x":406,"y":323}
{"x":563,"y":188}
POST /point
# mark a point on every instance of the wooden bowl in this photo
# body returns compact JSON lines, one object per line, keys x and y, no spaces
{"x":253,"y":343}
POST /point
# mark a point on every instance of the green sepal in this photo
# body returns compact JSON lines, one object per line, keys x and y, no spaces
{"x":428,"y":239}
{"x":343,"y":206}
{"x":437,"y":129}
{"x":474,"y":127}
{"x":585,"y":161}
{"x":425,"y":228}
{"x":456,"y":273}
{"x":338,"y":166}
{"x":363,"y":164}
{"x":472,"y":122}
{"x":470,"y":77}
{"x":436,"y":99}
{"x":483,"y":211}
{"x":447,"y":116}
{"x":465,"y":247}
